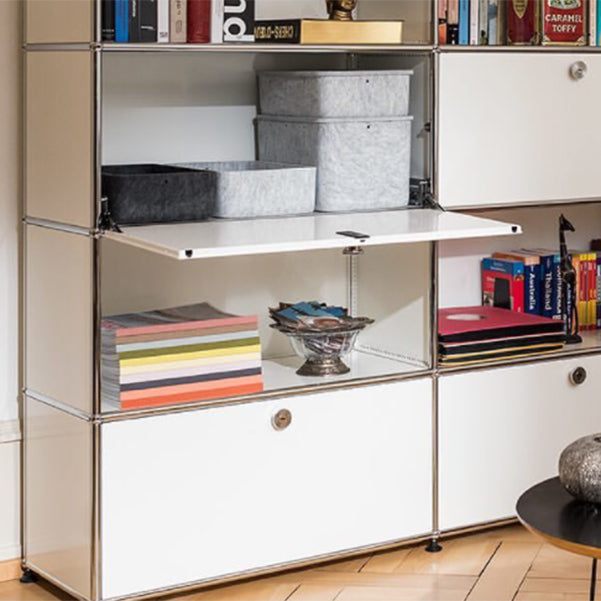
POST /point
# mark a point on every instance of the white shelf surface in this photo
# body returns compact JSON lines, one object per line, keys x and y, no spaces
{"x":279,"y":376}
{"x":224,"y":238}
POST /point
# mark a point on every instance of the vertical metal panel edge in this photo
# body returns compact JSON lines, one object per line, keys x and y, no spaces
{"x":434,"y":359}
{"x":435,"y":136}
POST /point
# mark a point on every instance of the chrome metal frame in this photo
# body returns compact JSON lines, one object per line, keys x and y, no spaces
{"x":96,"y":418}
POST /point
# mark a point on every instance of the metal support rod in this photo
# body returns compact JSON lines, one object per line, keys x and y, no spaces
{"x":593,"y":580}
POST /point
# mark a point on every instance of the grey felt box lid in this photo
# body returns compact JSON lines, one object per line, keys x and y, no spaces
{"x":334,"y":93}
{"x":246,"y":189}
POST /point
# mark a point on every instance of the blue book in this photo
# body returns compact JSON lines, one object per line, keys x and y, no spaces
{"x":598,"y":28}
{"x":464,"y":22}
{"x":551,"y":296}
{"x":122,"y":21}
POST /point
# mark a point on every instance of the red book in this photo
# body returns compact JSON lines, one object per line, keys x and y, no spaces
{"x":521,"y":22}
{"x":199,"y":21}
{"x":465,"y":324}
{"x":503,"y":284}
{"x":564,"y":22}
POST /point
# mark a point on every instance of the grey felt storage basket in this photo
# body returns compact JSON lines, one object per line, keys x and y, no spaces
{"x":260,"y":189}
{"x":149,"y":193}
{"x":362,"y":164}
{"x":334,"y":93}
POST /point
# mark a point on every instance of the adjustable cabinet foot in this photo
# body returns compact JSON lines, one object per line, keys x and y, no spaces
{"x":28,"y":576}
{"x":433,"y":546}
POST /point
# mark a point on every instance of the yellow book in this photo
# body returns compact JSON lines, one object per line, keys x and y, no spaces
{"x":323,"y":31}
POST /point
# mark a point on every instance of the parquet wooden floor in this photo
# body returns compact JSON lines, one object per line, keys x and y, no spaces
{"x":505,"y":564}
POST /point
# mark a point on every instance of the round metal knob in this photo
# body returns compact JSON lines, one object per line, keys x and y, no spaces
{"x":578,"y":376}
{"x":578,"y":70}
{"x":281,"y":420}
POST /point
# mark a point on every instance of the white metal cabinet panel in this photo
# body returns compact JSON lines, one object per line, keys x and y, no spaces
{"x":59,"y":21}
{"x":198,"y":495}
{"x":59,"y":311}
{"x":502,"y":430}
{"x":58,"y":495}
{"x":516,"y":127}
{"x":59,"y":145}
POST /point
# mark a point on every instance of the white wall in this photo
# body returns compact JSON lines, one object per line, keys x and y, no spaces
{"x":10,"y":40}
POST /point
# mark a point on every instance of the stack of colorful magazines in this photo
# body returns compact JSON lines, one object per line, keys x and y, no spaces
{"x":179,"y":355}
{"x":470,"y":335}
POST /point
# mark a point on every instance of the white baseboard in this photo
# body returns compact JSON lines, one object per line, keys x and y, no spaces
{"x":10,"y":431}
{"x":10,"y":552}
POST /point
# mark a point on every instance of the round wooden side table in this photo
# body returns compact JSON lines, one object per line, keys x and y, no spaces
{"x":552,"y":513}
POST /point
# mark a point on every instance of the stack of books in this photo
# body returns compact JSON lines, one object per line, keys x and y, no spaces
{"x":179,"y":355}
{"x":471,"y":335}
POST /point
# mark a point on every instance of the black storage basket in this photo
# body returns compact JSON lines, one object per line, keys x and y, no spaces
{"x":139,"y":194}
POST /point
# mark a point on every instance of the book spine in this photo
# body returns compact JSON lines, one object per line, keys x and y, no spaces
{"x":177,"y":21}
{"x":568,"y":301}
{"x":134,"y":20}
{"x":598,"y":28}
{"x":147,"y":21}
{"x":563,"y":23}
{"x":122,"y":21}
{"x":557,"y":289}
{"x":199,"y":21}
{"x":521,"y":22}
{"x":592,"y":291}
{"x":278,"y":32}
{"x":493,"y":22}
{"x":532,"y":289}
{"x":464,"y":22}
{"x":442,"y":22}
{"x":598,"y":291}
{"x":108,"y":20}
{"x":546,"y":263}
{"x":592,"y":22}
{"x":163,"y":21}
{"x":216,"y":21}
{"x":580,"y":286}
{"x":238,"y":20}
{"x":475,"y":22}
{"x":453,"y":22}
{"x":483,"y":26}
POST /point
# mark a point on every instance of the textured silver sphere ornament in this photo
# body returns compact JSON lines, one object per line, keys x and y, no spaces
{"x":580,"y":468}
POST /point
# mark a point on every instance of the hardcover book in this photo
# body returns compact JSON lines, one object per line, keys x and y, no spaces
{"x":520,"y":21}
{"x":503,"y":284}
{"x":122,"y":21}
{"x":475,"y":22}
{"x":483,"y":27}
{"x":178,"y":22}
{"x":442,"y":22}
{"x":453,"y":22}
{"x":199,"y":21}
{"x":320,"y":31}
{"x":551,"y":297}
{"x":108,"y":20}
{"x":564,"y":22}
{"x":238,"y":20}
{"x":532,"y":278}
{"x":469,"y":324}
{"x":163,"y":21}
{"x":464,"y":22}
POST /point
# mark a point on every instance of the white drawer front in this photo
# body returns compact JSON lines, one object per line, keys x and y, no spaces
{"x":517,"y":127}
{"x":201,"y":494}
{"x":502,"y":430}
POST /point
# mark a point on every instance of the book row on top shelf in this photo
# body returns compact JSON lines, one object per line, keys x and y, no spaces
{"x":459,"y":22}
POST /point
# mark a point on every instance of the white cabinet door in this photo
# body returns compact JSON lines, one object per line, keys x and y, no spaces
{"x":516,"y":127}
{"x":202,"y":494}
{"x":502,"y":430}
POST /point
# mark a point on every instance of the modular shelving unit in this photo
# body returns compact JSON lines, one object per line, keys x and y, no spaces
{"x":128,"y":504}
